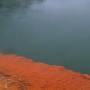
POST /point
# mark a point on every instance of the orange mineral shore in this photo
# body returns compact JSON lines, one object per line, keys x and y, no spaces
{"x":19,"y":73}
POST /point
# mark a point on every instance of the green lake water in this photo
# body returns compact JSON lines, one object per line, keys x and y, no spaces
{"x":51,"y":31}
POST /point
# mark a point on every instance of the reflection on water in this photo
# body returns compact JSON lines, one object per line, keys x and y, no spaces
{"x":53,"y":31}
{"x":8,"y":6}
{"x":16,"y":3}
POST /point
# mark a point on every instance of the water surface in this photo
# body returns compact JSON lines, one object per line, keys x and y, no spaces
{"x":52,"y":31}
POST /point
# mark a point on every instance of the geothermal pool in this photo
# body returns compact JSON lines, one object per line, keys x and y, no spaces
{"x":52,"y":31}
